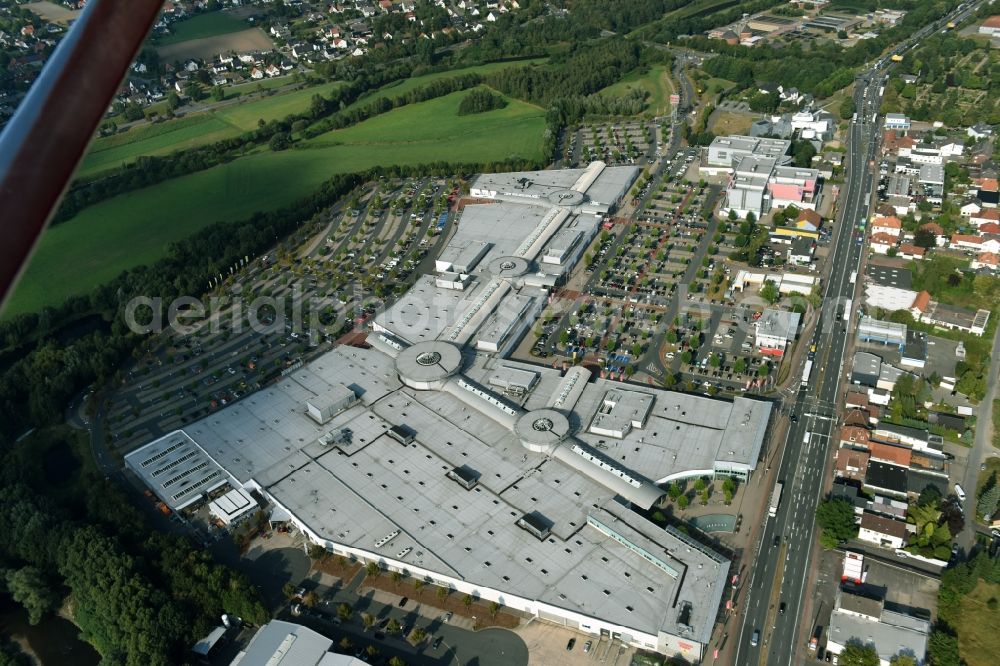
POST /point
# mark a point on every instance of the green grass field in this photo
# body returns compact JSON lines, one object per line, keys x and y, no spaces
{"x":202,"y":128}
{"x":209,"y":24}
{"x":194,"y":130}
{"x":137,"y":227}
{"x":654,"y":81}
{"x":977,"y":634}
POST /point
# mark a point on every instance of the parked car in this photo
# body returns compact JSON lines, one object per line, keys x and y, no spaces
{"x":570,"y":644}
{"x":587,"y":646}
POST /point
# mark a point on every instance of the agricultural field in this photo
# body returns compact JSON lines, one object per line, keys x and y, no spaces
{"x":50,"y":11}
{"x":655,"y":83}
{"x":137,"y":227}
{"x":244,"y":41}
{"x":209,"y":24}
{"x":194,"y":130}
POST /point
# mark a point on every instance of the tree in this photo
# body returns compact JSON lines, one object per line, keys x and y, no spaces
{"x":494,"y":609}
{"x":442,"y":593}
{"x":193,"y":91}
{"x":855,"y":654}
{"x":418,"y":634}
{"x":288,"y":590}
{"x":673,"y":490}
{"x":396,"y":661}
{"x":683,"y":501}
{"x":924,"y":238}
{"x":393,"y":626}
{"x":346,"y":644}
{"x":344,"y":612}
{"x":173,"y":101}
{"x":740,"y":366}
{"x":367,"y":619}
{"x":28,"y":587}
{"x":769,"y":292}
{"x":847,"y":108}
{"x":280,"y":141}
{"x":218,"y":93}
{"x":310,"y":599}
{"x":988,"y":500}
{"x":700,"y":484}
{"x":715,"y":360}
{"x":396,"y":576}
{"x":903,"y":660}
{"x":467,"y":600}
{"x":942,"y":648}
{"x":373,"y":569}
{"x":317,"y":552}
{"x":836,"y":520}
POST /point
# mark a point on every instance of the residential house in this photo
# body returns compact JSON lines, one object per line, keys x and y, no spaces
{"x":881,"y":243}
{"x":882,"y":531}
{"x":910,"y":251}
{"x":851,"y":464}
{"x":990,"y":27}
{"x":984,"y":216}
{"x":801,"y":251}
{"x":986,"y":260}
{"x":891,"y":226}
{"x":979,"y":131}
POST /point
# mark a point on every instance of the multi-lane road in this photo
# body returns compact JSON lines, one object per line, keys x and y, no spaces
{"x":779,"y":572}
{"x":777,"y":579}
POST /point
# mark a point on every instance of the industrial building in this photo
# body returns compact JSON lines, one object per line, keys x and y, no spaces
{"x":434,"y":455}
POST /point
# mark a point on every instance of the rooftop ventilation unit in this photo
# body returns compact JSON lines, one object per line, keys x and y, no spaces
{"x":464,"y":476}
{"x":536,"y":524}
{"x":401,"y":434}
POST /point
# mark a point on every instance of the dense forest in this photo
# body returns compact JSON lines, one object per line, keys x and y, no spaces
{"x":140,"y":598}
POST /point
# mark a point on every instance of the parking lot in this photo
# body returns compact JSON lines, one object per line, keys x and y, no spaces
{"x":276,"y":311}
{"x":614,"y":143}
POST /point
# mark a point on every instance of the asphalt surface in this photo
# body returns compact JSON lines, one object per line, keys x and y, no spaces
{"x":779,"y":572}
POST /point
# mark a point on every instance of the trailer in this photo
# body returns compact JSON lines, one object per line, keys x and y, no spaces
{"x":772,"y":509}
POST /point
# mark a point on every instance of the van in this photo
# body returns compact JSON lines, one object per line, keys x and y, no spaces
{"x":959,"y":493}
{"x":755,"y":639}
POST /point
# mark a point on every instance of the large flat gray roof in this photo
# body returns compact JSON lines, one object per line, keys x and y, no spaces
{"x":357,"y":489}
{"x":380,"y":475}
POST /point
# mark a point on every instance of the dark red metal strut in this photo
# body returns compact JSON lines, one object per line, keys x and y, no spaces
{"x":48,"y":135}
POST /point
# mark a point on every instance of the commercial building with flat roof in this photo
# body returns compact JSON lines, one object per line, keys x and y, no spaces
{"x":867,"y":621}
{"x":280,"y":643}
{"x":437,"y":456}
{"x":725,"y":152}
